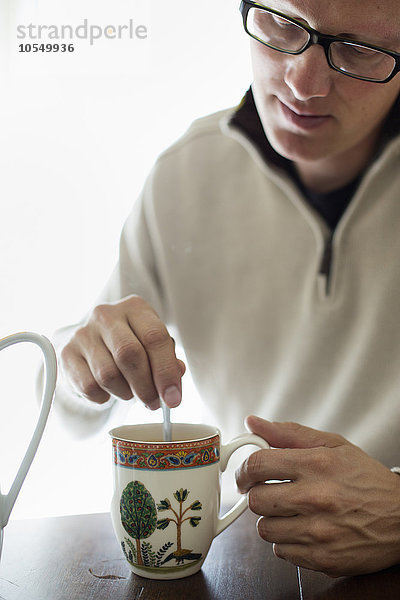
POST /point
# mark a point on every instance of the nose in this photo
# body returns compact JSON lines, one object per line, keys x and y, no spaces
{"x":308,"y":75}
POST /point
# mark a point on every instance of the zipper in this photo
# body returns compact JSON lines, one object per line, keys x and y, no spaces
{"x":325,"y":268}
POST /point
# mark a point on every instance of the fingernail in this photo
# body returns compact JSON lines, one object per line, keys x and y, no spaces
{"x":172,"y":396}
{"x":153,"y":405}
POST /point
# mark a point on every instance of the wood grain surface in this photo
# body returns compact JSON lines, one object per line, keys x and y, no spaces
{"x":78,"y":558}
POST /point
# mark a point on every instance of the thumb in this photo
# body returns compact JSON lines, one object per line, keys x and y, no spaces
{"x":292,"y":435}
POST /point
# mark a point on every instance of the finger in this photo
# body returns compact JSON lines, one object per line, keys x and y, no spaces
{"x":292,"y":435}
{"x":274,"y":500}
{"x":316,"y":559}
{"x":293,"y":553}
{"x":105,"y":371}
{"x":284,"y":530}
{"x":165,"y":368}
{"x":82,"y":380}
{"x":264,"y":465}
{"x":131,"y":361}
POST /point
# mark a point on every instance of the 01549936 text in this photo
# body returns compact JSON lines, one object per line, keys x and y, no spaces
{"x":46,"y":48}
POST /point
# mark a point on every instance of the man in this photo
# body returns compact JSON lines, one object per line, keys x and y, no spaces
{"x":266,"y":241}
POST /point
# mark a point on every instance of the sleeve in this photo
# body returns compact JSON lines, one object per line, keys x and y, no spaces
{"x":137,"y":269}
{"x":136,"y":272}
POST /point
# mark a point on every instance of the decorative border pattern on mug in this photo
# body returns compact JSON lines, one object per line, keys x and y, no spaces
{"x":161,"y":457}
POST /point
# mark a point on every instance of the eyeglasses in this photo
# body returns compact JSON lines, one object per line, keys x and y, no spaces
{"x":281,"y":33}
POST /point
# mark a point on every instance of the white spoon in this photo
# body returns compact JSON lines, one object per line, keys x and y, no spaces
{"x":167,"y":430}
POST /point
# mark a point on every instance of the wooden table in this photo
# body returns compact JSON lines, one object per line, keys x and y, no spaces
{"x":78,"y":558}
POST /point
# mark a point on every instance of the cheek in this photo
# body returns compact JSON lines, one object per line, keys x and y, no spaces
{"x":368,"y":102}
{"x":268,"y":64}
{"x":354,"y":91}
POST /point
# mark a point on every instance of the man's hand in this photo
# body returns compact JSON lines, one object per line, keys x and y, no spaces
{"x":124,"y":350}
{"x":340,"y":511}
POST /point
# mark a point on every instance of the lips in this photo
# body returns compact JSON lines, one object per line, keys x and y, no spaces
{"x":303,"y":119}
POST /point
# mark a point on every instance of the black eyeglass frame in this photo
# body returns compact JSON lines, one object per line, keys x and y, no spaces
{"x":318,"y":38}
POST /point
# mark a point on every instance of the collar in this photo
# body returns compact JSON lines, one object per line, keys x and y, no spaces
{"x":330,"y":206}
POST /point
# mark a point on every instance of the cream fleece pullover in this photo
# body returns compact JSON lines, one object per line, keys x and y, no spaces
{"x":227,"y":251}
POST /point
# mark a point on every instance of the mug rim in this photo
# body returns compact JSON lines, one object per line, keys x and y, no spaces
{"x":117,"y":433}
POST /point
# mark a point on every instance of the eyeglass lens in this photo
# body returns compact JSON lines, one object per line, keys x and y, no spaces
{"x":281,"y":34}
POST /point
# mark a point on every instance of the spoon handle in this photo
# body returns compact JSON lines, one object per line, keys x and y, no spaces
{"x":167,"y":433}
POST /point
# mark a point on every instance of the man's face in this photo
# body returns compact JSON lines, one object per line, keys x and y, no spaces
{"x":309,"y":111}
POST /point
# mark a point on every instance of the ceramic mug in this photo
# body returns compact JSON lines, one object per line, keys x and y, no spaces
{"x":166,"y":497}
{"x":7,"y":501}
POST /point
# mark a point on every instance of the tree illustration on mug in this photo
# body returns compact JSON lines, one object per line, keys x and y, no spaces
{"x":181,"y":496}
{"x":138,"y":514}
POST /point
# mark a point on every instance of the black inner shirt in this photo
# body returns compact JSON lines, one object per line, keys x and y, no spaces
{"x":330,"y":205}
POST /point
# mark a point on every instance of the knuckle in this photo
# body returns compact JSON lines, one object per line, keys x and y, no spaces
{"x":102,"y":313}
{"x":128,"y":352}
{"x":326,"y":460}
{"x":325,"y":498}
{"x":89,"y":389}
{"x":66,"y":355}
{"x":253,"y":501}
{"x":322,"y":460}
{"x":321,"y":532}
{"x":80,"y":337}
{"x":293,"y":425}
{"x":254,"y":465}
{"x":71,"y":354}
{"x":134,"y":300}
{"x":106,"y":376}
{"x":156,"y":337}
{"x":167,"y":370}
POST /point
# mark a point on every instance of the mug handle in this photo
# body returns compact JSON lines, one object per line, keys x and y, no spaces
{"x":7,"y":500}
{"x":226,"y":452}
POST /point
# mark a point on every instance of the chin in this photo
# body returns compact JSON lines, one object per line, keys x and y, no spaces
{"x":296,"y":147}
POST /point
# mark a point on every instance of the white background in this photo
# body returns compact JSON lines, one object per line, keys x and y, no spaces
{"x":79,"y":133}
